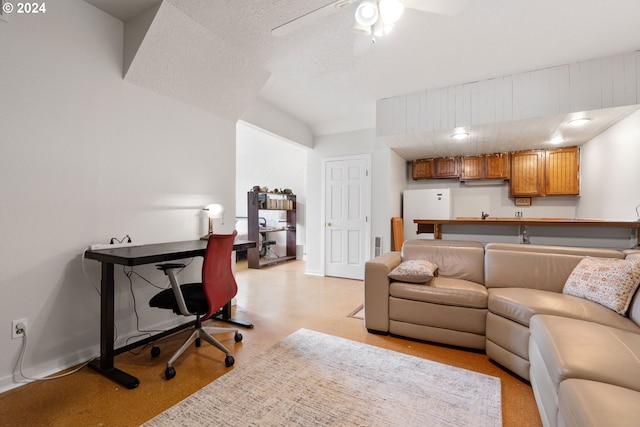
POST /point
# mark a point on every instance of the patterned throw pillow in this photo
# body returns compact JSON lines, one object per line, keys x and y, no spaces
{"x":608,"y":281}
{"x":413,"y":271}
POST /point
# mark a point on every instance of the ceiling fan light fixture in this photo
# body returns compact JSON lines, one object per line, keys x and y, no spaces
{"x":390,"y":10}
{"x":364,"y":30}
{"x":367,"y":13}
{"x":381,"y":29}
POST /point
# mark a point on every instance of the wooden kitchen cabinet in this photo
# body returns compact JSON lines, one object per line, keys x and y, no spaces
{"x":446,"y":167}
{"x":497,"y":166}
{"x":489,"y":166}
{"x":527,"y":174}
{"x":422,"y":169}
{"x":472,"y":167}
{"x":562,"y":170}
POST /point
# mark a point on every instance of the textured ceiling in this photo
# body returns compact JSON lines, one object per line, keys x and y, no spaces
{"x":316,"y":77}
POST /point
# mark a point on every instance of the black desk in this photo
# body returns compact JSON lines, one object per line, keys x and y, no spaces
{"x":132,"y":256}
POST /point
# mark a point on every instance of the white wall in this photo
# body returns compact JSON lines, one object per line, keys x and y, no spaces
{"x":85,"y":156}
{"x":382,"y":168}
{"x":271,"y":119}
{"x":268,"y":160}
{"x":610,"y":180}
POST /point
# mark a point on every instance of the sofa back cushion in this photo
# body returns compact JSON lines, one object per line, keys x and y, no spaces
{"x":455,"y":259}
{"x":535,"y":266}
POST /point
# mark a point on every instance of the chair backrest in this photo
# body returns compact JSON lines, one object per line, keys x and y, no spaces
{"x":218,"y":281}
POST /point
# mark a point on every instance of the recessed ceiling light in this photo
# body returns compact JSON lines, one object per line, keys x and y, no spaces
{"x":556,"y":140}
{"x":460,"y":135}
{"x":579,"y":121}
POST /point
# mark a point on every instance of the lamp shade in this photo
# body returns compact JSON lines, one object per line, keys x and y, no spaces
{"x":367,"y":13}
{"x":214,"y":210}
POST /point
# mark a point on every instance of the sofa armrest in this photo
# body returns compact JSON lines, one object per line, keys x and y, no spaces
{"x":376,"y":291}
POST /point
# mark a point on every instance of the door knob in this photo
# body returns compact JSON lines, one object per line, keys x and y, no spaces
{"x":328,"y":224}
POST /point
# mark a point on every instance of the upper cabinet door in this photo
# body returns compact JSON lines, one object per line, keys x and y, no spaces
{"x":563,"y":171}
{"x":422,"y":169}
{"x":497,"y":166}
{"x":446,"y":167}
{"x":472,"y":167}
{"x":527,"y":173}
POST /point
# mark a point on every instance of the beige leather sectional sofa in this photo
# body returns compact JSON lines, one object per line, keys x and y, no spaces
{"x":582,"y":358}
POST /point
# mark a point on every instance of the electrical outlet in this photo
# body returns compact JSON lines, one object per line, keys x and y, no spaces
{"x":15,"y":333}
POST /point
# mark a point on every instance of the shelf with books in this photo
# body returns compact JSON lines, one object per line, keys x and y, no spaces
{"x":258,"y":202}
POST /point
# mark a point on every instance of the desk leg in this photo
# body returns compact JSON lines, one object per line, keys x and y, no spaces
{"x":104,"y":365}
{"x":225,"y":316}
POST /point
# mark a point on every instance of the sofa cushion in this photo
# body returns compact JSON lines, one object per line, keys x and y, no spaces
{"x":606,"y":281}
{"x":414,"y":271}
{"x":583,"y":403}
{"x":443,"y":290}
{"x":520,"y":304}
{"x":455,"y":259}
{"x":547,"y":268}
{"x":572,"y":348}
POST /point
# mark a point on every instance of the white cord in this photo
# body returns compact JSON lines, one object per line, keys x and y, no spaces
{"x":21,"y":361}
{"x":84,"y":270}
{"x":637,"y":213}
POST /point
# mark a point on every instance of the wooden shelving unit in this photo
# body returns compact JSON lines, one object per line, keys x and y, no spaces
{"x":259,"y":202}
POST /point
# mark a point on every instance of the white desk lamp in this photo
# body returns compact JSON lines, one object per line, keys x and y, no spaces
{"x":214,"y":211}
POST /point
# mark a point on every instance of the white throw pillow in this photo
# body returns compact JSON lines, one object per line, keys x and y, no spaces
{"x":607,"y":281}
{"x":413,"y":271}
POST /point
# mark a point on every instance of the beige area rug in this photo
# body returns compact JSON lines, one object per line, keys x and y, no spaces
{"x":313,"y":379}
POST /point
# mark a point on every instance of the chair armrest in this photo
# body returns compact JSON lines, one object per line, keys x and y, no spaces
{"x":168,"y":269}
{"x":376,"y":290}
{"x":169,"y":266}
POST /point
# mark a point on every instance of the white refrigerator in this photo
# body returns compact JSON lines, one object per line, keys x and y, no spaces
{"x":424,"y":204}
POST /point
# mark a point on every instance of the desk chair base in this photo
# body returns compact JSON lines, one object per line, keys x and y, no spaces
{"x":196,"y":336}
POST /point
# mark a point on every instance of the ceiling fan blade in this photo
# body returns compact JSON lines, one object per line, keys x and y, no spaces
{"x":442,"y":7}
{"x":308,"y":18}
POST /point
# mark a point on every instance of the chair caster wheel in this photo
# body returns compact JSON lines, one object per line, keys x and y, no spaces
{"x":155,"y":351}
{"x":228,"y":361}
{"x":237,"y":337}
{"x":169,"y":373}
{"x":198,"y":342}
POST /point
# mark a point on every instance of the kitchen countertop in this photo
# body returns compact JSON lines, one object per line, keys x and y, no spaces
{"x":434,"y":225}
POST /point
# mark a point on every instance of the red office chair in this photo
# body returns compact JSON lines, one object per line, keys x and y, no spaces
{"x":204,"y":299}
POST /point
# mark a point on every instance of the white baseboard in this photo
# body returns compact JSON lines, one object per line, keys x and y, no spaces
{"x":50,"y":367}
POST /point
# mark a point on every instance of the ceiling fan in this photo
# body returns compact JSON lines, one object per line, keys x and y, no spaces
{"x":372,"y":17}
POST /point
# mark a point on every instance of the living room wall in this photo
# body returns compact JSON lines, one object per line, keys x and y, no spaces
{"x":387,"y":170}
{"x":86,"y":156}
{"x":268,"y":160}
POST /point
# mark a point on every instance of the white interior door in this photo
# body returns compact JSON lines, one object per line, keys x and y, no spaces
{"x":347,"y":205}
